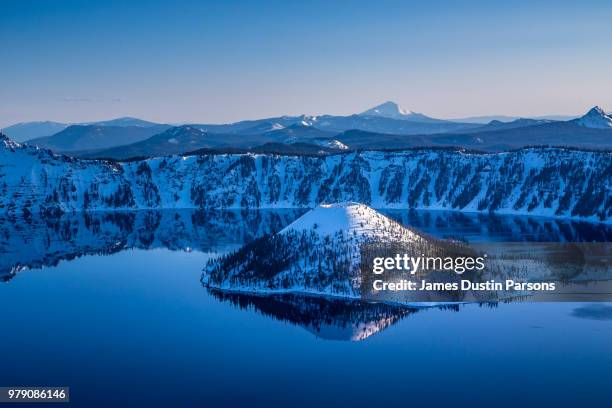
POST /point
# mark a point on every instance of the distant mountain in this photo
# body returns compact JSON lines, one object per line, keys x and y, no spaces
{"x":495,"y":136}
{"x":483,"y":120}
{"x":262,"y":127}
{"x":298,"y":132}
{"x":392,"y":110}
{"x":185,"y":139}
{"x":318,"y":130}
{"x":590,"y":131}
{"x":248,"y":127}
{"x":386,"y":126}
{"x":555,"y":117}
{"x":175,"y":140}
{"x":504,"y":118}
{"x":92,"y":137}
{"x":330,"y":123}
{"x":123,"y":122}
{"x":515,"y":124}
{"x":596,"y":118}
{"x":293,"y":139}
{"x":21,"y":132}
{"x":380,"y":124}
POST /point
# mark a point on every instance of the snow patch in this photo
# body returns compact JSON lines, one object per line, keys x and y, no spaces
{"x":354,"y":219}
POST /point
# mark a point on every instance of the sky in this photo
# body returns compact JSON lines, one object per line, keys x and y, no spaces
{"x":215,"y":62}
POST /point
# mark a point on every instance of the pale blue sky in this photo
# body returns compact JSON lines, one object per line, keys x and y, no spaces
{"x":231,"y":60}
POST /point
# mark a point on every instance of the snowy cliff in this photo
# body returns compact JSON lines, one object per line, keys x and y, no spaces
{"x":539,"y":181}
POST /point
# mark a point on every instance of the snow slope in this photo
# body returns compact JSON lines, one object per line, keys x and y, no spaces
{"x":352,"y":219}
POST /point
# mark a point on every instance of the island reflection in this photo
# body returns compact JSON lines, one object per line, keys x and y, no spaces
{"x":327,"y":318}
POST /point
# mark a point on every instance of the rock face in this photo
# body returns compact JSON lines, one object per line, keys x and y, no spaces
{"x":319,"y":253}
{"x":539,"y":181}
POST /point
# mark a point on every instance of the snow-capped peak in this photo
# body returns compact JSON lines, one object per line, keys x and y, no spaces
{"x":392,"y":110}
{"x":388,"y":110}
{"x":353,"y":219}
{"x":596,"y":118}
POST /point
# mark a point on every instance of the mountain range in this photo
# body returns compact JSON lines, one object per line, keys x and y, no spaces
{"x":386,"y":126}
{"x":20,"y":132}
{"x":79,"y":139}
{"x":23,"y":131}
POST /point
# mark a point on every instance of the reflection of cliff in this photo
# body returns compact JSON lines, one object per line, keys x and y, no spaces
{"x":327,"y":318}
{"x":501,"y":228}
{"x":34,"y":242}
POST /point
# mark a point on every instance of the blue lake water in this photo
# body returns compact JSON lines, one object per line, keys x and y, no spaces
{"x":111,"y":305}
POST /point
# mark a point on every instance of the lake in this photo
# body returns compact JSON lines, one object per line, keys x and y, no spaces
{"x":111,"y":305}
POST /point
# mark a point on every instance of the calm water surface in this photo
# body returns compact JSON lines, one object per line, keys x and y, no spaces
{"x":111,"y":305}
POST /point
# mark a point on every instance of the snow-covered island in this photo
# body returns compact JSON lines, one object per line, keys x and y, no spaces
{"x":321,"y":253}
{"x":330,"y":251}
{"x":318,"y":253}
